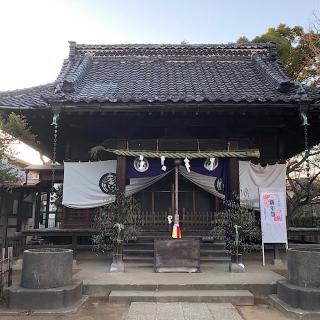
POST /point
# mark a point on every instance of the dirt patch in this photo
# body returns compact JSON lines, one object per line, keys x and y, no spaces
{"x":282,"y":272}
{"x":261,"y":312}
{"x":92,"y":310}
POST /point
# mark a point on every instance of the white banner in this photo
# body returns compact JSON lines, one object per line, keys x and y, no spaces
{"x":254,"y":176}
{"x":89,"y":184}
{"x":273,"y":211}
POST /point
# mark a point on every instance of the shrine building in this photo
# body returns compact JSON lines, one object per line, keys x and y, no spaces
{"x":148,"y":105}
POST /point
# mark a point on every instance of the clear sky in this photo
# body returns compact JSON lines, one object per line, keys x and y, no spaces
{"x":34,"y":33}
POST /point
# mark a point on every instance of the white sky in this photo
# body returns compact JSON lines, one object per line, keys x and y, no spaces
{"x":27,"y":154}
{"x":34,"y":34}
{"x":34,"y":40}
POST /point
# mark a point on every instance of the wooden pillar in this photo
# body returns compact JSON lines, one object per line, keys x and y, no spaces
{"x":4,"y":214}
{"x":20,"y":211}
{"x":121,"y":168}
{"x":47,"y":210}
{"x":37,"y":212}
{"x":281,"y":146}
{"x":233,"y":178}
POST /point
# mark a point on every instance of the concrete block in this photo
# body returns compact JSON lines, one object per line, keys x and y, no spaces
{"x":237,"y":268}
{"x":17,"y":265}
{"x":117,"y":267}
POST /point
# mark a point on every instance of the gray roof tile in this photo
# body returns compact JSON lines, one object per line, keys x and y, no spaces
{"x":249,"y":73}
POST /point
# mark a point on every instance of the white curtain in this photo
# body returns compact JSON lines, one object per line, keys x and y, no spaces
{"x":83,"y":187}
{"x":205,"y":182}
{"x":138,"y":184}
{"x":252,"y":177}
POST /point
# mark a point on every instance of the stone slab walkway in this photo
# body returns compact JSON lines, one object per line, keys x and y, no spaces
{"x":182,"y":311}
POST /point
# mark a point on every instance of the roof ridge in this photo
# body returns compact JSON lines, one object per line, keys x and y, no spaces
{"x":169,"y":49}
{"x":74,"y":46}
{"x":74,"y":74}
{"x":283,"y":81}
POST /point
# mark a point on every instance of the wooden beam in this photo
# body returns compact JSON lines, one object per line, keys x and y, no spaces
{"x":121,"y":168}
{"x":233,"y":178}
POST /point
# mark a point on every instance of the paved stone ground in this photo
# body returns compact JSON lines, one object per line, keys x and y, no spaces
{"x":94,"y":270}
{"x":182,"y":311}
{"x":102,"y":310}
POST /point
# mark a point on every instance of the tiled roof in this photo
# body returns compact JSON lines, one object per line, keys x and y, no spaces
{"x":27,"y":98}
{"x":249,"y":73}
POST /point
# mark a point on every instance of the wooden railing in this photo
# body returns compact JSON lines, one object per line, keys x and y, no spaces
{"x":188,"y":219}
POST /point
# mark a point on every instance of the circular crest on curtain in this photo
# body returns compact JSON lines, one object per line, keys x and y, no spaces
{"x":141,"y":165}
{"x":209,"y":166}
{"x":107,"y":183}
{"x":219,"y":185}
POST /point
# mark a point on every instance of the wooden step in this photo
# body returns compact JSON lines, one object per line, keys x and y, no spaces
{"x":236,"y":297}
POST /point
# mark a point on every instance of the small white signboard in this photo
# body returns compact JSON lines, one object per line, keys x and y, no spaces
{"x":273,"y":212}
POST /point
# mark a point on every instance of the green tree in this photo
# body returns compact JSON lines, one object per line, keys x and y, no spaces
{"x":312,"y":40}
{"x":243,"y":217}
{"x":303,"y":179}
{"x":116,"y":222}
{"x":243,"y":39}
{"x":294,"y":48}
{"x":12,"y":128}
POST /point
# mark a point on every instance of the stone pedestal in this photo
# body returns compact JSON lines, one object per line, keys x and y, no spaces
{"x":46,"y":282}
{"x":302,"y":289}
{"x":46,"y":268}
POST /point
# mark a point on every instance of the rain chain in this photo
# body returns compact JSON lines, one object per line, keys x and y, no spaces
{"x":305,"y":125}
{"x":54,"y":153}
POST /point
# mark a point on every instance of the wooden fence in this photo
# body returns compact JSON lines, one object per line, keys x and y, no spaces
{"x":5,"y":270}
